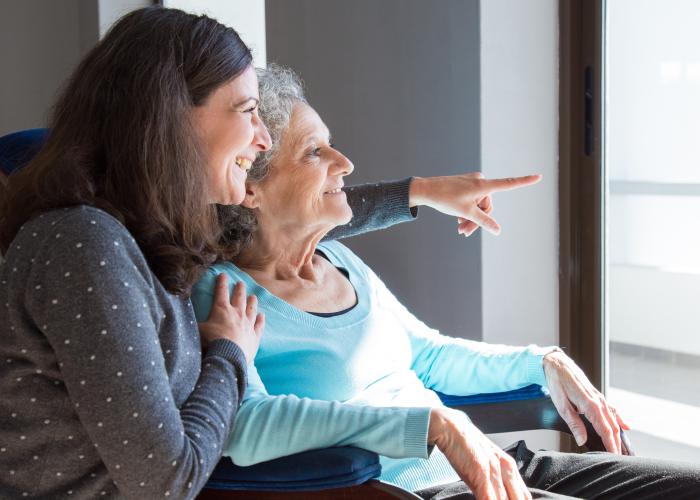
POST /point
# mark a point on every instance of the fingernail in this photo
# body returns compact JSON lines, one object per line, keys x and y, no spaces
{"x":579,"y":440}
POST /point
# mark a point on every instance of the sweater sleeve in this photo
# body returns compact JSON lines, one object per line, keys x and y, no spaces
{"x":376,"y":206}
{"x":92,"y":296}
{"x":460,"y":366}
{"x":269,"y":427}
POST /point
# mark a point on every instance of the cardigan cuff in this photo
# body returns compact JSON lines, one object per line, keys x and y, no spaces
{"x":397,"y":199}
{"x":416,"y":436}
{"x":231,"y":352}
{"x":535,"y":369}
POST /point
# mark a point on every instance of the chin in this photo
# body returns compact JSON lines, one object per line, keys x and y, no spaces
{"x":337,"y":216}
{"x":237,"y":198}
{"x":346,"y":218}
{"x":234,"y":197}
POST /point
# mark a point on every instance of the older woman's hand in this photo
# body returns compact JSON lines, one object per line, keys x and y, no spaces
{"x":488,"y":470}
{"x":466,"y":196}
{"x":573,"y":394}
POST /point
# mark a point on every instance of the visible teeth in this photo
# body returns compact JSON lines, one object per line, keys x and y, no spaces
{"x":244,"y":163}
{"x":334,"y":191}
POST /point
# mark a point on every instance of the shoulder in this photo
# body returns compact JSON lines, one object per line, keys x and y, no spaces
{"x":205,"y":284}
{"x":203,"y":291}
{"x":93,"y":224}
{"x":82,"y":235}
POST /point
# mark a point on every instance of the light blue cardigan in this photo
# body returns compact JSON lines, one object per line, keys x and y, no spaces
{"x":362,"y":378}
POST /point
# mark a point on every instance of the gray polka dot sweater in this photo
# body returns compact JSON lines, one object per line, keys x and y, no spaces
{"x":104,"y":388}
{"x":104,"y":391}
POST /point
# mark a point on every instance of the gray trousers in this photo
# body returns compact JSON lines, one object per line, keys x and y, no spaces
{"x":557,"y":475}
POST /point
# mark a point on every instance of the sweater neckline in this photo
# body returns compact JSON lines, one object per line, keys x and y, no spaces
{"x":271,"y":302}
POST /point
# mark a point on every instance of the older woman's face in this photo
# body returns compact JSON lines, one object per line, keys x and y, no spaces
{"x":304,"y":185}
{"x":232,"y":135}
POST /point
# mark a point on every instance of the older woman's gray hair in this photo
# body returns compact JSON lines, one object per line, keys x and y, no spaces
{"x":280,"y":89}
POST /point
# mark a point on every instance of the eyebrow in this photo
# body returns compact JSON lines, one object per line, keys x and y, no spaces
{"x":310,"y":137}
{"x":244,"y":101}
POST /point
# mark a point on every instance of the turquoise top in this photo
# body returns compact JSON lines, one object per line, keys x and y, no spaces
{"x":362,"y":378}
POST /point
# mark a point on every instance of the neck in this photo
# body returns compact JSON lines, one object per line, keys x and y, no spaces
{"x":281,"y":254}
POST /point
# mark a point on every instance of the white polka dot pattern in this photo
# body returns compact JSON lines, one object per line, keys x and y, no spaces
{"x":108,"y":327}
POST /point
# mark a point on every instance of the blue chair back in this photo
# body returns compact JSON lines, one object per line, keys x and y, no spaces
{"x":18,"y":148}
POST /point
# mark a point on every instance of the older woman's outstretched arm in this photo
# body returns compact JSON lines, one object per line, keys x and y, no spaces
{"x":465,"y":196}
{"x":376,"y":206}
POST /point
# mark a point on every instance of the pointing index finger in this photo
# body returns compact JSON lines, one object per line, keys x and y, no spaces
{"x":510,"y":183}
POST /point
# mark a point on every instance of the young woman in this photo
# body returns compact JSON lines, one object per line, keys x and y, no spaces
{"x":107,"y":387}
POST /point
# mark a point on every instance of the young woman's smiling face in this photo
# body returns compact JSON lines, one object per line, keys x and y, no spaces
{"x":232,"y":135}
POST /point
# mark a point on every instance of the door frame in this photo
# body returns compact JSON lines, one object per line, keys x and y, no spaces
{"x":581,"y":186}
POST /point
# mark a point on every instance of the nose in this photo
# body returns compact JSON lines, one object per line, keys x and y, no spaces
{"x":341,"y":164}
{"x":261,"y":139}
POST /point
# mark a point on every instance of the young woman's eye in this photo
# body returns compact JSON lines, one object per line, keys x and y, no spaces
{"x":250,"y":109}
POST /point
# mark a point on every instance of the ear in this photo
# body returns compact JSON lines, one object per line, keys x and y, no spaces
{"x":252,"y":196}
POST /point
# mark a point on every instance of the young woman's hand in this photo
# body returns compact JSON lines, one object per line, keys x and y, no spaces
{"x":466,"y":196}
{"x":235,"y":318}
{"x":489,"y":471}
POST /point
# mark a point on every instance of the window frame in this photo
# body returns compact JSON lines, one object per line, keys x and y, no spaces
{"x":581,"y":187}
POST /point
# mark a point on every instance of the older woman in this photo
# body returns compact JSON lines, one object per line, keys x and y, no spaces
{"x":344,"y":363}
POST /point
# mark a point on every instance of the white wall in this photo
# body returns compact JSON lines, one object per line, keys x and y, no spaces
{"x":519,"y":135}
{"x":110,"y":11}
{"x":247,"y":17}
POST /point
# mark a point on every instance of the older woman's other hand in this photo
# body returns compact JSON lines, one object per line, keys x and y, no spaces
{"x":488,"y":470}
{"x":466,"y":196}
{"x":573,"y":394}
{"x":235,"y":319}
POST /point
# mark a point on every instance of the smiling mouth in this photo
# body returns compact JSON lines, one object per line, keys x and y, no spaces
{"x":334,"y":191}
{"x":244,"y":163}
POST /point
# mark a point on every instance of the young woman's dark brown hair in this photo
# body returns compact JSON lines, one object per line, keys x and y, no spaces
{"x":122,"y":139}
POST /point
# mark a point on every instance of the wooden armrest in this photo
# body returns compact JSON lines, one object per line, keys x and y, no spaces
{"x":527,"y":415}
